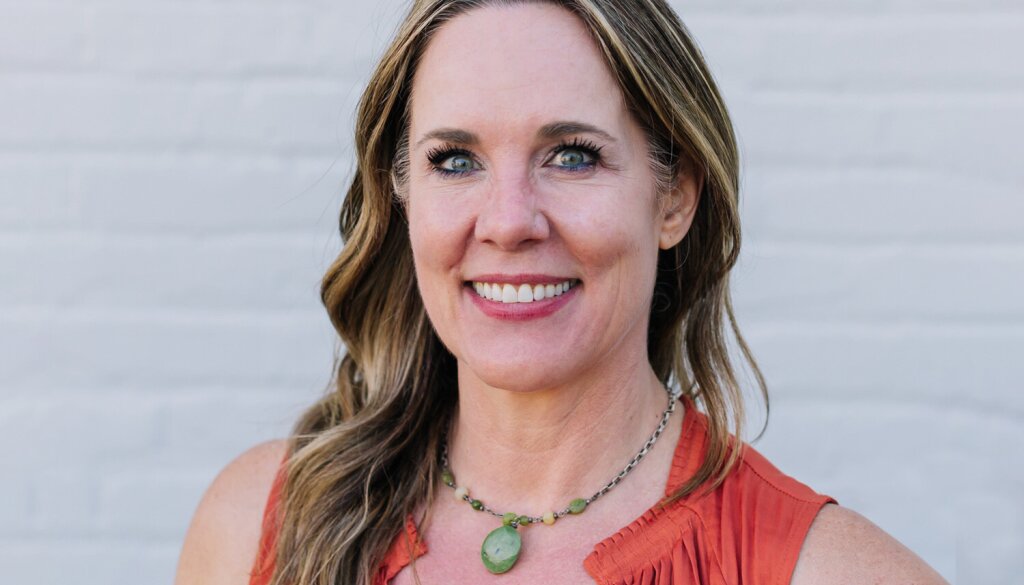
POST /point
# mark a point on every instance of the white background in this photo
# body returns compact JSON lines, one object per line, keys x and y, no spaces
{"x":170,"y":175}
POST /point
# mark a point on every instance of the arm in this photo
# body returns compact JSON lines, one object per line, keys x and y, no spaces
{"x":845,"y":548}
{"x":222,"y":540}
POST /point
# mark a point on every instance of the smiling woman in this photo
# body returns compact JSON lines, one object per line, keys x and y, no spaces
{"x":535,"y":281}
{"x":526,"y":175}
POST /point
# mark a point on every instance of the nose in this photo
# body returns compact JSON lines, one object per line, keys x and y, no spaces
{"x":511,"y":217}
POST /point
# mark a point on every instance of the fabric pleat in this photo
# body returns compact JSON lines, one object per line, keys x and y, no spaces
{"x":748,"y":531}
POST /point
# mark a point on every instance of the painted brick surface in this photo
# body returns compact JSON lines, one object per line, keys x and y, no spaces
{"x":169,"y":177}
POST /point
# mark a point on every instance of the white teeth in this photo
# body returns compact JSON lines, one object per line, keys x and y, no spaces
{"x":523,"y":293}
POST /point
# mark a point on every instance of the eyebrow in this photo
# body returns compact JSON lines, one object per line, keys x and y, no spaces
{"x":450,"y":135}
{"x":548,"y":131}
{"x":561,"y":129}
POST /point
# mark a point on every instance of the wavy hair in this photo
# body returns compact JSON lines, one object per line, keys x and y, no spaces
{"x":365,"y":456}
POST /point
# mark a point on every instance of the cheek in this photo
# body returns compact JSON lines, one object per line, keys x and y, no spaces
{"x":436,"y":234}
{"x":624,"y":261}
{"x":615,"y":234}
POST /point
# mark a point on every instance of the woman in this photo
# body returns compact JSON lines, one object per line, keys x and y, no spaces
{"x":533,"y":296}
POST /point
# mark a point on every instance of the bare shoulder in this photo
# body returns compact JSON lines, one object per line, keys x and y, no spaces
{"x":222,"y":540}
{"x":843,"y":547}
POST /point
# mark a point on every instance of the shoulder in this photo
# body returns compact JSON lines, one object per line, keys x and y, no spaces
{"x":222,"y":540}
{"x":843,"y":547}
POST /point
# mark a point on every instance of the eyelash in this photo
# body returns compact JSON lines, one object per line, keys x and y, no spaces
{"x":438,"y":155}
{"x":585,"y":146}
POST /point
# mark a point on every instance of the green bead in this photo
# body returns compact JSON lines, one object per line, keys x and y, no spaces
{"x":447,"y":477}
{"x":501,"y":549}
{"x":508,"y":518}
{"x":477,"y":504}
{"x":577,"y":506}
{"x":523,"y":520}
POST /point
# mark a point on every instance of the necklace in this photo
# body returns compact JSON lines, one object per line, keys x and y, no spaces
{"x":500,"y":549}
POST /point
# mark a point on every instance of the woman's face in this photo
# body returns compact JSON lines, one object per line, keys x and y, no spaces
{"x":533,"y":213}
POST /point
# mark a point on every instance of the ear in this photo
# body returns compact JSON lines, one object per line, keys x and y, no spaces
{"x":679,"y":207}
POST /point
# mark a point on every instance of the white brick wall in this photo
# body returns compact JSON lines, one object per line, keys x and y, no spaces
{"x":170,"y":173}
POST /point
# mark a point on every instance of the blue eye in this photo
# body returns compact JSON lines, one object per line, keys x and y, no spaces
{"x":578,"y":155}
{"x":449,"y":160}
{"x":458,"y":163}
{"x":573,"y":158}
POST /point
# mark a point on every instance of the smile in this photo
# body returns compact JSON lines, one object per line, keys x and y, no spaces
{"x":523,"y":293}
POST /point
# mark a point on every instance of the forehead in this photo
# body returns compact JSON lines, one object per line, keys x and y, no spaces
{"x":513,"y":67}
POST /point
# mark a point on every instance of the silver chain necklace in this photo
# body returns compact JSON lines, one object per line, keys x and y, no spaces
{"x":501,"y":548}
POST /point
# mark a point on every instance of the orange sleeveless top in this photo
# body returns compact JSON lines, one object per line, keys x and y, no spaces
{"x":748,"y":531}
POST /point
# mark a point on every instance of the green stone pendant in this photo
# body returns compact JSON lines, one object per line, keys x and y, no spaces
{"x":501,"y":549}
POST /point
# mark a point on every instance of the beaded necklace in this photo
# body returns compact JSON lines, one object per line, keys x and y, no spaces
{"x":501,"y":548}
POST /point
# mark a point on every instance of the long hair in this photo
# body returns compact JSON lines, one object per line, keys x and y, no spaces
{"x":365,"y":456}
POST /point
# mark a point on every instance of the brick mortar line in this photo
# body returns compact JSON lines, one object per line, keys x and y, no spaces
{"x":969,"y":406}
{"x":321,"y":235}
{"x":875,"y":244}
{"x":868,"y":327}
{"x":379,"y":24}
{"x":165,"y":149}
{"x":299,"y":319}
{"x":338,"y":80}
{"x":200,"y":237}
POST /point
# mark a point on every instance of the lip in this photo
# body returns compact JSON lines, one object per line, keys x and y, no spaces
{"x":523,"y":278}
{"x":521,"y":311}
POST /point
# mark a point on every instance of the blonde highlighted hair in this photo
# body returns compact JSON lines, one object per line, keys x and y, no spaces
{"x":365,"y":456}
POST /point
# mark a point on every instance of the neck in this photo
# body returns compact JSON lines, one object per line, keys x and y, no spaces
{"x":535,"y":451}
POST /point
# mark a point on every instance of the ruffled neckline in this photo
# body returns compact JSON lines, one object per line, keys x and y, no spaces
{"x":636,"y":540}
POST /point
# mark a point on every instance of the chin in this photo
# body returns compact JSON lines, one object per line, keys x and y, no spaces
{"x":517,"y":375}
